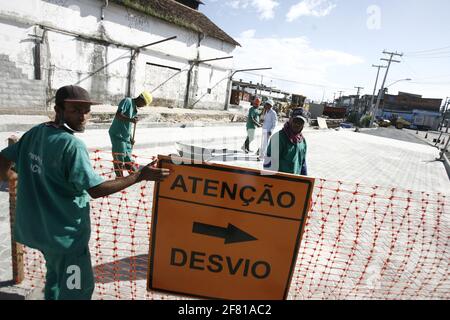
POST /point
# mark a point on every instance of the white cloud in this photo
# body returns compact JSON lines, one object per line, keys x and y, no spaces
{"x":315,"y":8}
{"x":266,"y":8}
{"x":248,"y":34}
{"x":294,"y":60}
{"x":236,"y":4}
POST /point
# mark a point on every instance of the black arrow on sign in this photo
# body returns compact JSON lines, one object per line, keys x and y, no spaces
{"x":231,"y":234}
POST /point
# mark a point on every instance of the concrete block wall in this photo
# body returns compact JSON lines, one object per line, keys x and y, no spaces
{"x":18,"y":94}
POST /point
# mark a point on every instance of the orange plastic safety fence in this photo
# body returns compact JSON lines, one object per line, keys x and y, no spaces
{"x":360,"y":242}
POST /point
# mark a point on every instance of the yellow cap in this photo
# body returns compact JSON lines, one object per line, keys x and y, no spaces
{"x":147,"y":96}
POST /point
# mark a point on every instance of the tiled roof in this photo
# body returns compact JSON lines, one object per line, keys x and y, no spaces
{"x":176,"y":13}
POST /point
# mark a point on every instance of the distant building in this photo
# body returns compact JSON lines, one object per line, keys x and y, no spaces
{"x":364,"y":103}
{"x":242,"y":91}
{"x":315,"y":109}
{"x":421,"y":112}
{"x":408,"y":102}
{"x":334,"y":112}
{"x":346,"y":101}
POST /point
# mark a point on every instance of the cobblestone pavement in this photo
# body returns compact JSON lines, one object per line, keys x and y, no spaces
{"x":333,"y":155}
{"x":396,"y":134}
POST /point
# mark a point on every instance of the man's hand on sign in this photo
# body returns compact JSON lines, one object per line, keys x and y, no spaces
{"x":151,"y":173}
{"x":135,"y":119}
{"x":7,"y":172}
{"x":154,"y":162}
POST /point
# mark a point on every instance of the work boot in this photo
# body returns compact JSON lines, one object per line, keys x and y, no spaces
{"x":245,"y":149}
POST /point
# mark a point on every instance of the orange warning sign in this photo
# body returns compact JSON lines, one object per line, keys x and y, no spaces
{"x":226,"y":232}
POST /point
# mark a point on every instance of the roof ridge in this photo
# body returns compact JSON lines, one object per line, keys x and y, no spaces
{"x":179,"y":3}
{"x":174,"y":12}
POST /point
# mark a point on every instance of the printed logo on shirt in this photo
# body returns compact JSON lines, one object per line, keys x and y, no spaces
{"x":36,"y":163}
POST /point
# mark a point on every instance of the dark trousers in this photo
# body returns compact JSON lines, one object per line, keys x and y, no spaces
{"x":69,"y":276}
{"x":250,"y":138}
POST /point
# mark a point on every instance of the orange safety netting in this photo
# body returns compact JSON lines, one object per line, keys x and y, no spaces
{"x":360,"y":242}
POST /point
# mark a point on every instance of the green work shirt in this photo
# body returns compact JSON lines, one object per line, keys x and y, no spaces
{"x":119,"y":128}
{"x":252,"y":113}
{"x":291,"y":157}
{"x":52,"y":209}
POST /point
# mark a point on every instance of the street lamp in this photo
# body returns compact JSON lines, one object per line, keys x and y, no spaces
{"x":407,"y":79}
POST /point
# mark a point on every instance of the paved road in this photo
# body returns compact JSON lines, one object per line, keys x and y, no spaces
{"x":393,"y":133}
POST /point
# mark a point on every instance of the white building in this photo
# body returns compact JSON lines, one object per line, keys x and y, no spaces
{"x":45,"y":44}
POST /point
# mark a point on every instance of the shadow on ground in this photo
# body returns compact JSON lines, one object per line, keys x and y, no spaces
{"x":127,"y":269}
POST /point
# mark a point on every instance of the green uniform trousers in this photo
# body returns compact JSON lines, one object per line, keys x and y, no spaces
{"x":69,"y":276}
{"x":121,"y":150}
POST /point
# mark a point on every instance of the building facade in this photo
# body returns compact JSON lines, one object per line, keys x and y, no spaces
{"x":423,"y":113}
{"x":102,"y":46}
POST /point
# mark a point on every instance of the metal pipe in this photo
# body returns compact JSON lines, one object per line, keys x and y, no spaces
{"x":214,"y":59}
{"x":134,"y":53}
{"x":441,"y":155}
{"x":103,"y":9}
{"x":242,"y":70}
{"x":156,"y":42}
{"x":230,"y":79}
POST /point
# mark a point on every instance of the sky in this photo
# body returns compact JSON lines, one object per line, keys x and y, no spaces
{"x":320,"y":47}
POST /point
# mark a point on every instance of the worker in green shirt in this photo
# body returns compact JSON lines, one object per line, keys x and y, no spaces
{"x":55,"y":181}
{"x":120,"y":132}
{"x":252,"y":123}
{"x":287,"y":148}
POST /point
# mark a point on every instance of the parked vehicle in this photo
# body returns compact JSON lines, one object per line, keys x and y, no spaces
{"x":346,"y":125}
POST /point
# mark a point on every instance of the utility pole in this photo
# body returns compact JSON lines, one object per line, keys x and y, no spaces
{"x":359,"y":89}
{"x":334,"y":97}
{"x":381,"y":92}
{"x":444,"y":114}
{"x":447,"y":123}
{"x":356,"y":103}
{"x":323,"y":96}
{"x":262,"y":77}
{"x":444,"y":150}
{"x":340,"y":95}
{"x":375,"y":87}
{"x":357,"y":94}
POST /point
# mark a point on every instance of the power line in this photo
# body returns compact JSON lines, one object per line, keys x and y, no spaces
{"x":422,"y":51}
{"x":433,"y":57}
{"x":299,"y":82}
{"x":434,"y":77}
{"x":411,"y":71}
{"x":427,"y":54}
{"x":430,"y":83}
